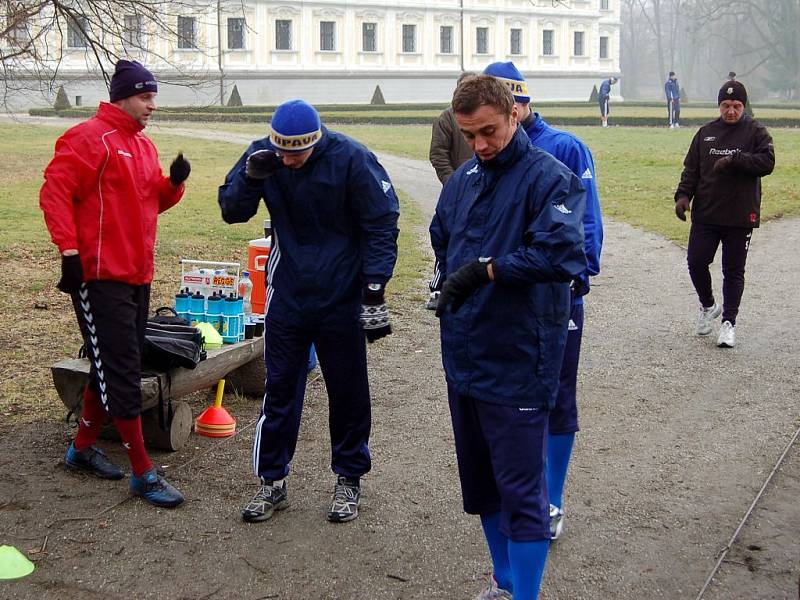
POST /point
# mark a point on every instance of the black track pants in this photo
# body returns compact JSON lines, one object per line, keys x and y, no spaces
{"x":703,"y":243}
{"x":113,"y":317}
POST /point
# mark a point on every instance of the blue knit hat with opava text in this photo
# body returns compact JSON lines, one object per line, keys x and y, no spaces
{"x":508,"y":73}
{"x":295,"y":127}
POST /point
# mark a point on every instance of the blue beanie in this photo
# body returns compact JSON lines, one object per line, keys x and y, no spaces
{"x":507,"y":73}
{"x":129,"y":79}
{"x":295,"y":127}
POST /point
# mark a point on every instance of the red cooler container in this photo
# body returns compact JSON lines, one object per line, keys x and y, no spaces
{"x":257,"y":255}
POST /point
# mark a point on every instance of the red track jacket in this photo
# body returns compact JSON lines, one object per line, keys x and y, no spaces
{"x":102,"y":194}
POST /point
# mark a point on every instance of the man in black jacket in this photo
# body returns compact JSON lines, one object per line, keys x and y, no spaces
{"x":721,"y":182}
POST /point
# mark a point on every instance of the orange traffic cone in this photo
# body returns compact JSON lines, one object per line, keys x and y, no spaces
{"x":215,"y":421}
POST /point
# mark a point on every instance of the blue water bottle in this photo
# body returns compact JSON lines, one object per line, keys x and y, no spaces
{"x":214,"y":311}
{"x":240,"y":316}
{"x":230,"y":320}
{"x":182,"y":302}
{"x":197,"y":309}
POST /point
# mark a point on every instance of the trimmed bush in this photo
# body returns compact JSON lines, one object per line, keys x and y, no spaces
{"x":235,"y":99}
{"x":593,"y":95}
{"x":377,"y":96}
{"x":62,"y":102}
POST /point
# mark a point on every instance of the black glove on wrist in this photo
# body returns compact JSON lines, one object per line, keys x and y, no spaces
{"x":179,"y":170}
{"x":723,"y":164}
{"x":71,"y":274}
{"x":462,"y":284}
{"x":579,"y":286}
{"x":262,"y":163}
{"x":374,"y":314}
{"x":681,"y":206}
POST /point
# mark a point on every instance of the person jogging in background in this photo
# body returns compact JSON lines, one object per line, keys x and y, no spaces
{"x":603,"y":96}
{"x":101,"y":198}
{"x":563,"y":419}
{"x":672,"y":90}
{"x":721,"y":185}
{"x":334,"y":215}
{"x":508,"y":234}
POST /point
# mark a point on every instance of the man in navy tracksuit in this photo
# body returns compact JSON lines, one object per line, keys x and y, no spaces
{"x":334,"y":214}
{"x":509,"y":237}
{"x":672,"y":90}
{"x":603,"y":95}
{"x":578,"y":158}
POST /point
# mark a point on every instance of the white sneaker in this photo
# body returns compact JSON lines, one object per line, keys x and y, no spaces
{"x":706,"y":318}
{"x":727,"y":335}
{"x":556,"y":522}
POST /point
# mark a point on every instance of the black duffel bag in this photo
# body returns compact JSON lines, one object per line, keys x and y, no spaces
{"x":167,"y":316}
{"x":170,"y":346}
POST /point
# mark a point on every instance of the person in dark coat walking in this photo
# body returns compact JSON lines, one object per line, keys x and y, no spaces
{"x":721,"y":185}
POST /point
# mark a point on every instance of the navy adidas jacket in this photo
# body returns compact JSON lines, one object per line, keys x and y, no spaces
{"x":578,"y":158}
{"x":525,"y":210}
{"x":334,"y":227}
{"x":672,"y":90}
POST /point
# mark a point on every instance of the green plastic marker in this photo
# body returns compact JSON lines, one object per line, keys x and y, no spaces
{"x":13,"y":563}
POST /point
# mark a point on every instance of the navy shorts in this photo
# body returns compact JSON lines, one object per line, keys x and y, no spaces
{"x":604,"y":110}
{"x":564,"y":417}
{"x":501,"y":456}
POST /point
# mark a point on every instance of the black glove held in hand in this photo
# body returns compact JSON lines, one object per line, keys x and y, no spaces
{"x":374,"y":314}
{"x":681,"y":206}
{"x":579,"y":286}
{"x":461,"y":285}
{"x":71,"y":274}
{"x":262,"y":163}
{"x":723,"y":164}
{"x":179,"y":170}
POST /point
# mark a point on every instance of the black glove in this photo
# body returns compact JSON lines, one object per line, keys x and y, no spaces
{"x":681,"y":206}
{"x":579,"y":286}
{"x":461,"y":285}
{"x":374,"y":314}
{"x":262,"y":163}
{"x":723,"y":164}
{"x":71,"y":274}
{"x":179,"y":170}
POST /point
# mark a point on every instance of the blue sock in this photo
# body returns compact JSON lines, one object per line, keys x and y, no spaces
{"x":498,"y":548}
{"x":527,"y":567}
{"x":559,"y":451}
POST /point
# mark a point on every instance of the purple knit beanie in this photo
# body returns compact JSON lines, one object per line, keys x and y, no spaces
{"x":130,"y":78}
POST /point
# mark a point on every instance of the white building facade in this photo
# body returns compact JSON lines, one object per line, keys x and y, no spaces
{"x":329,"y":51}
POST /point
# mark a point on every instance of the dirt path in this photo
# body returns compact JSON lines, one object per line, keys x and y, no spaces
{"x":678,"y":437}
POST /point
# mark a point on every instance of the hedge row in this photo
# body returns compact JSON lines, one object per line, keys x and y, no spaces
{"x":388,"y":119}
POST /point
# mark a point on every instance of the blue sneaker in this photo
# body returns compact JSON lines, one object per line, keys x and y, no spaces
{"x":93,"y":461}
{"x":155,"y":489}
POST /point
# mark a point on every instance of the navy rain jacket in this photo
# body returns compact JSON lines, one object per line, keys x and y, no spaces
{"x":576,"y":155}
{"x":525,"y":210}
{"x":334,"y":227}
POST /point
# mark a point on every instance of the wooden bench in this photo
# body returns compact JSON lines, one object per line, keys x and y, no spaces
{"x":241,"y":365}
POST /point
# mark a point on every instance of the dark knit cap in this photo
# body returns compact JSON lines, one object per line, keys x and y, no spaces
{"x":130,"y":78}
{"x":732,"y":90}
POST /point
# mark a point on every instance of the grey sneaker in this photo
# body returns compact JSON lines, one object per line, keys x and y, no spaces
{"x":556,"y":522}
{"x":346,"y":494}
{"x":493,"y":592}
{"x":267,"y":500}
{"x":706,"y":318}
{"x":727,"y":335}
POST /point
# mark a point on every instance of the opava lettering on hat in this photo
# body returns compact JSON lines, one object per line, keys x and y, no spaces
{"x":295,"y":127}
{"x":508,"y":74}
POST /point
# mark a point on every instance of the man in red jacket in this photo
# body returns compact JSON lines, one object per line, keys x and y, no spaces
{"x":101,"y":198}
